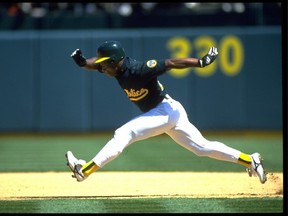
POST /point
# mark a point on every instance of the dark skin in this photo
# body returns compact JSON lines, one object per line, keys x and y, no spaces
{"x":172,"y":63}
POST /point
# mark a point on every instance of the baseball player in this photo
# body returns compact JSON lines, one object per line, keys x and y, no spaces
{"x":161,"y":113}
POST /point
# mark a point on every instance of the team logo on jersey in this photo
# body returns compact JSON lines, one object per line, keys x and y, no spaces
{"x":151,"y":63}
{"x":136,"y":95}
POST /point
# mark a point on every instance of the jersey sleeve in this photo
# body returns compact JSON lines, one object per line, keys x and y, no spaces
{"x":154,"y":67}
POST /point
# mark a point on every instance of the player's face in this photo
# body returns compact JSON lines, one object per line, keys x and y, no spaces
{"x":107,"y":69}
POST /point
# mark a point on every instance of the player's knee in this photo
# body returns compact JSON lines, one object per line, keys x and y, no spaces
{"x":202,"y":151}
{"x":123,"y":135}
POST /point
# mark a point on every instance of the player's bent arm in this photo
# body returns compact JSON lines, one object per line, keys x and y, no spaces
{"x":82,"y":62}
{"x":90,"y":64}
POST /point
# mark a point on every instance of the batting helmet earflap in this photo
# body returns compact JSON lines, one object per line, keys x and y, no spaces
{"x":111,"y":50}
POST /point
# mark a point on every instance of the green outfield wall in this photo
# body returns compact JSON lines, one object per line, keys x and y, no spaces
{"x":41,"y":88}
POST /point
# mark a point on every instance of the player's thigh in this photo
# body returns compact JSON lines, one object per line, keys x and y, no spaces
{"x":145,"y":126}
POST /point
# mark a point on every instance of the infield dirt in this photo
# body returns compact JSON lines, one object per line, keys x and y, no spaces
{"x":137,"y":184}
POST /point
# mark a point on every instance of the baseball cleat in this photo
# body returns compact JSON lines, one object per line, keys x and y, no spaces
{"x":256,"y":168}
{"x":250,"y":172}
{"x":75,"y":166}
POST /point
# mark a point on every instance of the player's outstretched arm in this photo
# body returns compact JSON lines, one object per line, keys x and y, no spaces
{"x":81,"y":61}
{"x":181,"y":63}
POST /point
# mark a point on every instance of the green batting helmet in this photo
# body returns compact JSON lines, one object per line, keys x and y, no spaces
{"x":111,"y":50}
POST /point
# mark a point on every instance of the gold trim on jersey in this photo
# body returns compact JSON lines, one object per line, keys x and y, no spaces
{"x":161,"y":86}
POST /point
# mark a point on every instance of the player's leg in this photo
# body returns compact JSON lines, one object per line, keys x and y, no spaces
{"x":190,"y":138}
{"x":187,"y":135}
{"x":155,"y":122}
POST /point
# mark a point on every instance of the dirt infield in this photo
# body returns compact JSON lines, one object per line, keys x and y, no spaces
{"x":137,"y":184}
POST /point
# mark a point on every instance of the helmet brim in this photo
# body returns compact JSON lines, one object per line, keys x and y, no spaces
{"x":101,"y":60}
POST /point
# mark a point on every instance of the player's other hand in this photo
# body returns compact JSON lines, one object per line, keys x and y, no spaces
{"x":79,"y":59}
{"x":209,"y":57}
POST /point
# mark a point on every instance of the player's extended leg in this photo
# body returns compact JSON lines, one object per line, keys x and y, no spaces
{"x":188,"y":136}
{"x":149,"y":124}
{"x":155,"y":122}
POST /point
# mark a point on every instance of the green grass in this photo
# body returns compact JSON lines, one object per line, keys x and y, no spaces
{"x":45,"y":152}
{"x":143,"y":205}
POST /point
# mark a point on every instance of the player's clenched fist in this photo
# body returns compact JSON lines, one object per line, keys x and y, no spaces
{"x":79,"y":58}
{"x":209,"y":57}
